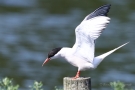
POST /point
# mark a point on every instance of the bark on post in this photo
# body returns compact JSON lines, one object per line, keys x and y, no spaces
{"x":81,"y":83}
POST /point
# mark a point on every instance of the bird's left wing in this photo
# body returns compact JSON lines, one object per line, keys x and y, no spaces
{"x":88,"y":31}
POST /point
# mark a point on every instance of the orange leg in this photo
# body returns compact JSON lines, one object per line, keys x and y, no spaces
{"x":77,"y":75}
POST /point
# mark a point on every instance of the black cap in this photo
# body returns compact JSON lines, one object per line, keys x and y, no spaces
{"x":53,"y":52}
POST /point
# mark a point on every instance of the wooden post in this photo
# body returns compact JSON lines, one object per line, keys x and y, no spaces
{"x":81,"y":83}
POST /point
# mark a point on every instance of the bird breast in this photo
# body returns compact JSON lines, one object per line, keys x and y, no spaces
{"x":78,"y":62}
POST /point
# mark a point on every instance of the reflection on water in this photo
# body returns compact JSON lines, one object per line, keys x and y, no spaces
{"x":30,"y":28}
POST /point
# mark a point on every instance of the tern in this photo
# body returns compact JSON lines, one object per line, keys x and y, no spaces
{"x":81,"y":55}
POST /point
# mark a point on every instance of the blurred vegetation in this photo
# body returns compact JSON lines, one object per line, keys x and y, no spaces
{"x":7,"y":84}
{"x":36,"y":86}
{"x":118,"y":85}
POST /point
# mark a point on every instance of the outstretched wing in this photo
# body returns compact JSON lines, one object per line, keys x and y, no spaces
{"x":88,"y":31}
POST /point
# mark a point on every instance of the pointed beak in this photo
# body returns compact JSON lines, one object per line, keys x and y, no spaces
{"x":46,"y":61}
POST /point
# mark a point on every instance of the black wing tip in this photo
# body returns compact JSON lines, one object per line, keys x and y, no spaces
{"x":105,"y":9}
{"x":107,"y":6}
{"x":101,"y":11}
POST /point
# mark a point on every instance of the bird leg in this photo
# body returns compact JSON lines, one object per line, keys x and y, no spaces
{"x":77,"y":75}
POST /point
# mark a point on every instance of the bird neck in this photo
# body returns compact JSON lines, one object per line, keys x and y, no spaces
{"x":63,"y":53}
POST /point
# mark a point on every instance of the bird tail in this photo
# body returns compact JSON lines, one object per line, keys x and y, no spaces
{"x":97,"y":60}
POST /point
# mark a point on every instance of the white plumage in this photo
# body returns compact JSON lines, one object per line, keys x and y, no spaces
{"x":81,"y":55}
{"x":86,"y":34}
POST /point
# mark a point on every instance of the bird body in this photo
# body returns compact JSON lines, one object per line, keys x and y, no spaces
{"x":81,"y":55}
{"x":81,"y":62}
{"x":73,"y":59}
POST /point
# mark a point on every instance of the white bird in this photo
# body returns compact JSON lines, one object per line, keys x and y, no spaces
{"x":81,"y":55}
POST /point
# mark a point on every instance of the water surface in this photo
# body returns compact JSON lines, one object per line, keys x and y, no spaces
{"x":29,"y":29}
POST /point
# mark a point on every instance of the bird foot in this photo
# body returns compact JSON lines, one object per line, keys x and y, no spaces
{"x":77,"y":75}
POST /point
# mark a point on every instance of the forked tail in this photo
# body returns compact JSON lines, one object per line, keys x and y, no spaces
{"x":97,"y":60}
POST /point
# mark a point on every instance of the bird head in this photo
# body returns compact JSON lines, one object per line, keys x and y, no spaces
{"x":54,"y":53}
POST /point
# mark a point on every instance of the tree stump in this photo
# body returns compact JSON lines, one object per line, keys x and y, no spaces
{"x":81,"y":83}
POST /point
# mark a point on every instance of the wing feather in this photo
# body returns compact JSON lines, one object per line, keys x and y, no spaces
{"x":87,"y":32}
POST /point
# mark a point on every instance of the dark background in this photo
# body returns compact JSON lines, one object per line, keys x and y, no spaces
{"x":31,"y":28}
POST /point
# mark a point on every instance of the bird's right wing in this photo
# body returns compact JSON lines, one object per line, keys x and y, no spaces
{"x":88,"y":31}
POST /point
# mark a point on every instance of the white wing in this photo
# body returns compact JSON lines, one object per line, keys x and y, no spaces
{"x":88,"y":31}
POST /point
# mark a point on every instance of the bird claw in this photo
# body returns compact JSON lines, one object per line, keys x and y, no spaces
{"x":75,"y":77}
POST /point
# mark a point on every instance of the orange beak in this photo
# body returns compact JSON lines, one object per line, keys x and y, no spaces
{"x":46,"y":61}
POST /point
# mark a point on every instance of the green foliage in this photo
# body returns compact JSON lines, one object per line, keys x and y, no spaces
{"x":37,"y":86}
{"x":118,"y":85}
{"x":7,"y":84}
